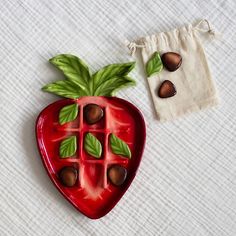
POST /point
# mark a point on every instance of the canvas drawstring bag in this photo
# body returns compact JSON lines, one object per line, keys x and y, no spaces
{"x":193,"y":81}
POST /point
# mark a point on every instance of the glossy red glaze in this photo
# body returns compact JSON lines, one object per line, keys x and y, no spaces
{"x":92,"y":195}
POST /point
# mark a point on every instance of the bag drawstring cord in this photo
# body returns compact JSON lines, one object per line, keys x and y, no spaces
{"x":210,"y":30}
{"x":132,"y":46}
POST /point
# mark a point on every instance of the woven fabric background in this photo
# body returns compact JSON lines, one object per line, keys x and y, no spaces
{"x":186,"y":184}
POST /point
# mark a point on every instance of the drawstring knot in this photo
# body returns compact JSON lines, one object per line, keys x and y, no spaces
{"x":211,"y":31}
{"x":132,"y":46}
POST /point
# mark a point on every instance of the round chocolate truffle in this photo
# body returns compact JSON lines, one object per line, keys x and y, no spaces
{"x":117,"y":175}
{"x":93,"y":113}
{"x":68,"y":176}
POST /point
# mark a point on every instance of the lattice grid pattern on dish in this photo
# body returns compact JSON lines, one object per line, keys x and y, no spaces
{"x":81,"y":159}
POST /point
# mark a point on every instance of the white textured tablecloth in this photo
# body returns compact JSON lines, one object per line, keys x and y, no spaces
{"x":186,"y":184}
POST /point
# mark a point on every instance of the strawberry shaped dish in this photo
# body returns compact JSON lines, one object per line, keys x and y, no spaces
{"x":91,"y":143}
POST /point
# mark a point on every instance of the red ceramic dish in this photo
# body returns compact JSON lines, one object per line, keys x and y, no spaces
{"x":93,"y":194}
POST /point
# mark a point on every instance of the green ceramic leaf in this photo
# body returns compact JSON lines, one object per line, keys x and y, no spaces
{"x":92,"y":145}
{"x":111,"y":71}
{"x":119,"y":147}
{"x":109,"y":87}
{"x":74,"y":69}
{"x":68,"y":113}
{"x":79,"y":83}
{"x":68,"y":147}
{"x":64,"y":88}
{"x":154,"y":65}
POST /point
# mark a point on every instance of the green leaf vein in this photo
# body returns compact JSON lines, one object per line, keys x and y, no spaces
{"x":119,"y":147}
{"x":68,"y":147}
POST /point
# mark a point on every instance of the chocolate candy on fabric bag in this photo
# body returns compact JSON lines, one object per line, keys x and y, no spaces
{"x":167,"y":89}
{"x":171,"y":60}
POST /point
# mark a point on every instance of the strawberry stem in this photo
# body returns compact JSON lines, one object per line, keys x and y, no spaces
{"x":79,"y":82}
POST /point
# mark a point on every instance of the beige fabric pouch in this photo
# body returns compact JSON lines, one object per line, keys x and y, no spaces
{"x":194,"y":85}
